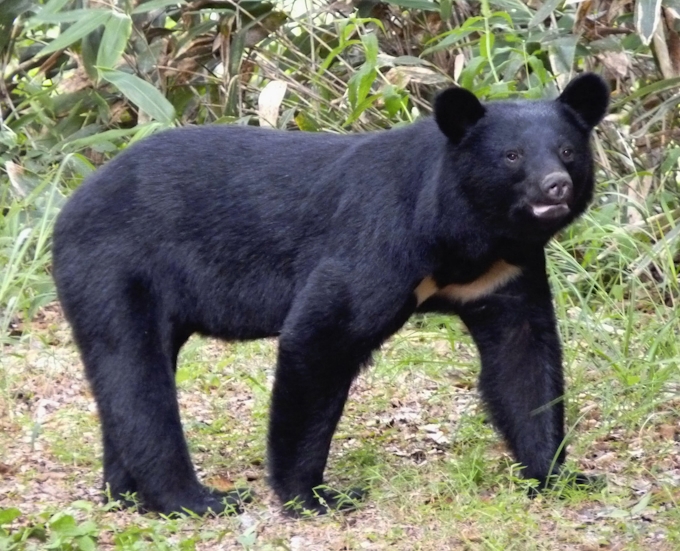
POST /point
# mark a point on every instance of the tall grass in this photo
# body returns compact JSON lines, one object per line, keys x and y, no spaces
{"x":25,"y":233}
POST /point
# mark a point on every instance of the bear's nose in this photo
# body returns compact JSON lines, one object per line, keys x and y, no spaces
{"x":557,"y":187}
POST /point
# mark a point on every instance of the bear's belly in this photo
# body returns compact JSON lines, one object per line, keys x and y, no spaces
{"x":498,"y":275}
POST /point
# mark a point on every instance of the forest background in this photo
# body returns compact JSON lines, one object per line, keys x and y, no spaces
{"x":83,"y":79}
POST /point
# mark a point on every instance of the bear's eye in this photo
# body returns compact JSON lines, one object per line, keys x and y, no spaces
{"x":512,"y":156}
{"x":567,"y":153}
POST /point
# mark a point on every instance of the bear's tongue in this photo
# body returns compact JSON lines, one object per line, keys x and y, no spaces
{"x":550,"y":211}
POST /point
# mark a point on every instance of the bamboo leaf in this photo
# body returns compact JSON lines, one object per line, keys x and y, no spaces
{"x":89,"y":22}
{"x":445,"y":9}
{"x":544,"y":11}
{"x":70,"y":16}
{"x":53,"y":6}
{"x":562,"y":52}
{"x":141,"y":93}
{"x":98,"y":138}
{"x":156,"y":5}
{"x":269,"y":102}
{"x":116,"y":34}
{"x":449,"y":40}
{"x":647,"y":14}
{"x":9,"y":11}
{"x":415,"y":4}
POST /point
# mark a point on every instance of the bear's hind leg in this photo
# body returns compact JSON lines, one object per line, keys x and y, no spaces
{"x":119,"y":485}
{"x":132,"y":376}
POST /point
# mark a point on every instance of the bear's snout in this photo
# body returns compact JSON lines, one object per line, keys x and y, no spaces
{"x":557,"y":187}
{"x":556,"y":192}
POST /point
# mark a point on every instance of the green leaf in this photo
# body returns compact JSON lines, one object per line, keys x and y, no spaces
{"x":9,"y":11}
{"x":53,"y":6}
{"x":647,"y":14}
{"x":365,"y":104}
{"x":486,"y":43}
{"x":335,"y":52}
{"x":514,"y":63}
{"x":503,"y":15}
{"x":89,"y":22}
{"x":144,"y":130}
{"x":365,"y":83}
{"x":544,"y":11}
{"x":156,"y":5}
{"x":538,"y":69}
{"x":306,"y":123}
{"x":450,"y":39}
{"x":116,"y":34}
{"x":86,"y":543}
{"x":236,"y":52}
{"x":445,"y":9}
{"x":141,"y":93}
{"x":473,"y":23}
{"x":370,"y":42}
{"x":393,"y":100}
{"x":89,"y":46}
{"x":409,"y":60}
{"x":641,"y":505}
{"x":671,"y":160}
{"x":98,"y":138}
{"x":632,"y":380}
{"x":8,"y":515}
{"x":249,"y":537}
{"x":653,"y":88}
{"x":562,"y":52}
{"x":415,"y":4}
{"x":86,"y":528}
{"x":70,"y":16}
{"x":63,"y":524}
{"x":500,"y":90}
{"x":360,"y":85}
{"x":471,"y":70}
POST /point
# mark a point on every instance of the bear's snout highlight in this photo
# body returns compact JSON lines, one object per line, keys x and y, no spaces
{"x":557,"y":187}
{"x":556,"y":192}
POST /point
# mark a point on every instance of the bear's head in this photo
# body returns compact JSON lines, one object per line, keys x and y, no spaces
{"x":525,"y":167}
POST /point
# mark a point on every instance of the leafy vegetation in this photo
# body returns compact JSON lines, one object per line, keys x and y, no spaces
{"x":82,"y":80}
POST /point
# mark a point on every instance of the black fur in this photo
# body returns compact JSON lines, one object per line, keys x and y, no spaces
{"x":456,"y":110}
{"x":244,"y":233}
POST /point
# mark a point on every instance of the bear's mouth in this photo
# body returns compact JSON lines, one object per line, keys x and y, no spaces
{"x":549,"y":212}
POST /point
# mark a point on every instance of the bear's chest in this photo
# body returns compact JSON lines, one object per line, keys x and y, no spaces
{"x":498,"y":274}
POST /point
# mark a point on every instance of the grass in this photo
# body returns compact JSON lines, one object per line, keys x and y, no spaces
{"x":413,"y":432}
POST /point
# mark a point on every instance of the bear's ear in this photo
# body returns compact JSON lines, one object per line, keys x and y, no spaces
{"x":588,"y":95}
{"x":456,"y":110}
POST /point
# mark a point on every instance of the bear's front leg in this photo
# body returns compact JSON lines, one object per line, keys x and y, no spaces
{"x":521,"y":378}
{"x":308,"y":398}
{"x":333,"y":327}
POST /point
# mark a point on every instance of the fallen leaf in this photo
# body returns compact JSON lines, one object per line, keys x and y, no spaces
{"x":269,"y":102}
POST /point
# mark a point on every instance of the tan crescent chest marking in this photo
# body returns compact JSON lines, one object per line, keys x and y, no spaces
{"x":498,"y":275}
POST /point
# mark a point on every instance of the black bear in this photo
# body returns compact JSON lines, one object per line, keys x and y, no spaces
{"x":329,"y":242}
